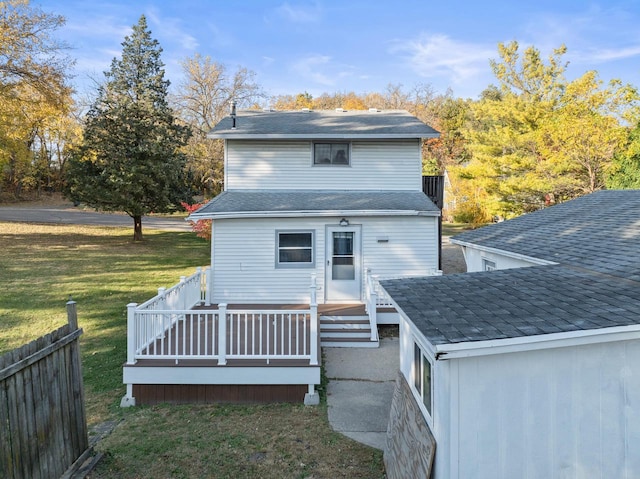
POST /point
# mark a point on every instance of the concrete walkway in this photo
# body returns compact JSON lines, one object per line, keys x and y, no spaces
{"x":360,"y":390}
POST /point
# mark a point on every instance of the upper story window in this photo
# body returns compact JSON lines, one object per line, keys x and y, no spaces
{"x":331,"y":154}
{"x":294,"y":249}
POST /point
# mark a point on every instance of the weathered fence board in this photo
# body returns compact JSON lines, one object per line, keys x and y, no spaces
{"x":42,"y":415}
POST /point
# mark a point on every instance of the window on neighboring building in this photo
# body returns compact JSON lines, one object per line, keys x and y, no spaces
{"x":488,"y":265}
{"x":331,"y":154}
{"x":294,"y":249}
{"x":422,"y":377}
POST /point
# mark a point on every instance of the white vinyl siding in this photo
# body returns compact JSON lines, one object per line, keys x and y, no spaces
{"x":568,"y":411}
{"x":563,"y":412}
{"x":408,"y":247}
{"x":375,"y":165}
{"x":243,"y":258}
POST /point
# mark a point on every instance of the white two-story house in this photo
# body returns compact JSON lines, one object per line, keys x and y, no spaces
{"x":317,"y":206}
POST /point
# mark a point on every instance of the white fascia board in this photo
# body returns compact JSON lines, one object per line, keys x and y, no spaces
{"x":296,"y":214}
{"x":533,"y":343}
{"x":509,"y":254}
{"x":334,"y":136}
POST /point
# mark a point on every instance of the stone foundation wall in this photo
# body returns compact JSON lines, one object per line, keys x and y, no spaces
{"x":410,"y":447}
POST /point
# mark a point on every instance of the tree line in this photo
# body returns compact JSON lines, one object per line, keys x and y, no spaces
{"x":532,"y":139}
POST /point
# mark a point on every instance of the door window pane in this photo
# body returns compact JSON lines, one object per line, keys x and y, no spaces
{"x":343,"y":265}
{"x":343,"y":243}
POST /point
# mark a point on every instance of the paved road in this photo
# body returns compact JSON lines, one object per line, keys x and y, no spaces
{"x":70,"y":215}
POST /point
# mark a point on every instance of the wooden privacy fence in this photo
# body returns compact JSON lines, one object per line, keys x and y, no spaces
{"x":43,"y":429}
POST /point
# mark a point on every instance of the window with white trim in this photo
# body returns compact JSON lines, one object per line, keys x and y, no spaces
{"x":331,"y":154}
{"x":421,"y":373}
{"x":295,"y":249}
{"x":488,"y":265}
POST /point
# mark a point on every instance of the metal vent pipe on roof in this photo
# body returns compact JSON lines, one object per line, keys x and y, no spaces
{"x":233,"y":115}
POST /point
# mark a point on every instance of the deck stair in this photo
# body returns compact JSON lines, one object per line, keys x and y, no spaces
{"x":346,"y":331}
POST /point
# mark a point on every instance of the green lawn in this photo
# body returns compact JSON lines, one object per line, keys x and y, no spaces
{"x":42,"y":266}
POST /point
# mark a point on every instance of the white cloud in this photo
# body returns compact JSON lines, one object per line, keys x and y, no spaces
{"x":321,"y":70}
{"x":310,"y":69}
{"x":439,"y":55}
{"x":105,"y":26}
{"x":593,"y":36}
{"x":170,"y":28}
{"x":299,"y":13}
{"x":611,"y":54}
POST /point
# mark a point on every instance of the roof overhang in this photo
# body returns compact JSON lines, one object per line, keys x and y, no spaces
{"x":469,"y":349}
{"x":302,"y":213}
{"x":533,"y":343}
{"x":288,"y":136}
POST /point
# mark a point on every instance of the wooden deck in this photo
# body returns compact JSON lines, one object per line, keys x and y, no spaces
{"x":183,"y":364}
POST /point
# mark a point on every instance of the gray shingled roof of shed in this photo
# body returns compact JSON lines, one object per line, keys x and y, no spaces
{"x":323,"y":124}
{"x":596,"y":284}
{"x":241,"y":203}
{"x":600,"y":231}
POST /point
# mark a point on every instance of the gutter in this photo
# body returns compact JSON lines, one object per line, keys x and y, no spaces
{"x":233,"y":135}
{"x":314,"y":213}
{"x":533,"y":343}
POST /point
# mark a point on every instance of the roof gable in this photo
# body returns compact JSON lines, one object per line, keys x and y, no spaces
{"x":323,"y":124}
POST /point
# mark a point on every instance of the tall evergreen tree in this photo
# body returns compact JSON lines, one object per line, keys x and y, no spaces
{"x":130,"y":159}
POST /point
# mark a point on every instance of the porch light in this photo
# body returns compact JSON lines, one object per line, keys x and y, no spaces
{"x":344,"y":222}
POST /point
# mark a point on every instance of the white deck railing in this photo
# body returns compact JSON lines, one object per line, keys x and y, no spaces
{"x":165,"y":327}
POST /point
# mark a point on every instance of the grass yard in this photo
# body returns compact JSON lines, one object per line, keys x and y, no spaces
{"x":42,"y":266}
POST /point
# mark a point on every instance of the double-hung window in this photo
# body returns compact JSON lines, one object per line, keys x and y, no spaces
{"x":421,"y":372}
{"x":331,"y":154}
{"x":295,"y":249}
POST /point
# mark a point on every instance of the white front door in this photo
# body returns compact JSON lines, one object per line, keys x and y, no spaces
{"x":343,"y":267}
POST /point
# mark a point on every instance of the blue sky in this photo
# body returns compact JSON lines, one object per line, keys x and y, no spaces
{"x":361,"y":45}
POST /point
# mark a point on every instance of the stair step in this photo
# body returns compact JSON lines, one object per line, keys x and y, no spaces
{"x":347,"y":319}
{"x":344,"y":326}
{"x":348,"y":334}
{"x":349,"y":343}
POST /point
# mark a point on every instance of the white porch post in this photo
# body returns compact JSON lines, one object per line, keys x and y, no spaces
{"x":313,"y":327}
{"x":183,"y":297}
{"x":131,"y":333}
{"x":222,"y":334}
{"x":207,"y":287}
{"x":200,"y":275}
{"x":162,"y":304}
{"x":373,"y":309}
{"x":312,"y":398}
{"x":128,"y":400}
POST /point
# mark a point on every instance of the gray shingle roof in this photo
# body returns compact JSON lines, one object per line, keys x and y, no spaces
{"x":514,"y":303}
{"x":596,"y":284}
{"x":239,"y":203}
{"x":600,"y":231}
{"x":323,"y":124}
